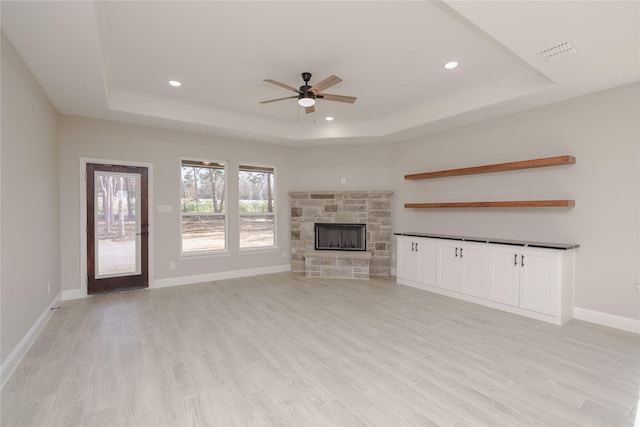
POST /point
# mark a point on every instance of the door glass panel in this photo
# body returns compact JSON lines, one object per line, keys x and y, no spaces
{"x":117,"y":220}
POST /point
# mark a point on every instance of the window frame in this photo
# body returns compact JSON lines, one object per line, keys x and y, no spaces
{"x":225,"y":168}
{"x":274,"y":171}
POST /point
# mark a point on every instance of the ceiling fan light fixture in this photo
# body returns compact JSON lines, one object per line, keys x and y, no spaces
{"x":307,"y":94}
{"x":306,"y":102}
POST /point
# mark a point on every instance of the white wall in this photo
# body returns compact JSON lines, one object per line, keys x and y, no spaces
{"x":30,"y":197}
{"x":163,"y":149}
{"x":363,"y":166}
{"x":601,"y":130}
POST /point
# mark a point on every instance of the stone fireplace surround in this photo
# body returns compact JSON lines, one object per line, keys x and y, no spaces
{"x":369,"y":207}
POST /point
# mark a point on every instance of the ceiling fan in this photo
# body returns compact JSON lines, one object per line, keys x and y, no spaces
{"x":307,"y":95}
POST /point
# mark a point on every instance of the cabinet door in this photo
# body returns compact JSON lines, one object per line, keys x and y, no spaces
{"x":473,"y":276}
{"x":539,"y":281}
{"x":448,"y":261}
{"x":504,"y":269}
{"x":426,"y":251}
{"x":406,"y":260}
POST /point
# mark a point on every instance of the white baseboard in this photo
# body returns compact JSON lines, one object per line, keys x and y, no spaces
{"x":14,"y":359}
{"x":73,"y":294}
{"x":189,"y":280}
{"x":605,"y":319}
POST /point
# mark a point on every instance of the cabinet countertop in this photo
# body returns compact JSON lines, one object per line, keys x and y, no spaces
{"x":561,"y":246}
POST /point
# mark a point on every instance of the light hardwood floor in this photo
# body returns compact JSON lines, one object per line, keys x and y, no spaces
{"x":285,"y":350}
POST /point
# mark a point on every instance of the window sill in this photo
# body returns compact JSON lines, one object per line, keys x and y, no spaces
{"x":249,"y":251}
{"x":200,"y":255}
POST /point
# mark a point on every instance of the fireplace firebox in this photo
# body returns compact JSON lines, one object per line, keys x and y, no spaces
{"x":341,"y":237}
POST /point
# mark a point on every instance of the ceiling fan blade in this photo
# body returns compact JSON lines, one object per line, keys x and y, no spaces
{"x":326,"y":83}
{"x":309,"y":109}
{"x":278,"y":99}
{"x":339,"y":98}
{"x":282,"y":85}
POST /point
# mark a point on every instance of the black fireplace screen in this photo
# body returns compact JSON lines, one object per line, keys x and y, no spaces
{"x":341,"y":237}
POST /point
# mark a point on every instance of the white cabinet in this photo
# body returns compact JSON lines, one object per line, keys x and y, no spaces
{"x":448,"y":266}
{"x":473,"y":279}
{"x":407,"y":260}
{"x":416,"y":259}
{"x":540,"y":281}
{"x":426,"y":249}
{"x":504,"y":275}
{"x":523,"y":277}
{"x":531,"y":281}
{"x":461,"y":267}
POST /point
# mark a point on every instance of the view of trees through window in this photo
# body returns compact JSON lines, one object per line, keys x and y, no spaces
{"x":116,"y":194}
{"x":115,"y":222}
{"x":256,"y":185}
{"x":203,"y":206}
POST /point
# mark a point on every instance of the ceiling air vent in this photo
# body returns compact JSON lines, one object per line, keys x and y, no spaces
{"x":559,"y":51}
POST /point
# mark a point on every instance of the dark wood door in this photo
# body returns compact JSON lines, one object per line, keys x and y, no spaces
{"x":117,"y":228}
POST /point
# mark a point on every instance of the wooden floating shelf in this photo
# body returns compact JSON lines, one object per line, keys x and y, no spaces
{"x":523,"y":164}
{"x":502,"y":204}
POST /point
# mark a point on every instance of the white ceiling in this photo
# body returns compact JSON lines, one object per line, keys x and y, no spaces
{"x":112,"y":60}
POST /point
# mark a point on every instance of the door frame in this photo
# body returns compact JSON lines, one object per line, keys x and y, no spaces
{"x":82,"y":292}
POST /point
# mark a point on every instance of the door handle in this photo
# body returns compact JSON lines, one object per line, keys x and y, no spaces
{"x":412,"y":246}
{"x":515,"y":259}
{"x":522,"y":260}
{"x":456,"y":252}
{"x":460,"y":252}
{"x":416,"y":246}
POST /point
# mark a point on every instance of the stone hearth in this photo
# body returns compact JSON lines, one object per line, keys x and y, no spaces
{"x":337,"y":264}
{"x":364,"y":207}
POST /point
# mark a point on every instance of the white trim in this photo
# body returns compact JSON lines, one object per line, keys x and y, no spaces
{"x":258,"y":250}
{"x":18,"y":353}
{"x":203,"y":254}
{"x":71,"y":294}
{"x":605,"y":319}
{"x":276,"y":189}
{"x":189,"y":280}
{"x":556,"y":320}
{"x":212,"y":252}
{"x":82,"y":292}
{"x":596,"y":317}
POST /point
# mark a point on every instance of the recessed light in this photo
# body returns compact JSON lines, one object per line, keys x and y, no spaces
{"x":328,"y":118}
{"x":451,"y":65}
{"x":175,"y":83}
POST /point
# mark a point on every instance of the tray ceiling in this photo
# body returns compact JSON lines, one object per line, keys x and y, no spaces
{"x":113,"y":60}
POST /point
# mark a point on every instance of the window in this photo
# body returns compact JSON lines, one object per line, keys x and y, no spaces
{"x":257,"y":192}
{"x":203,"y":212}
